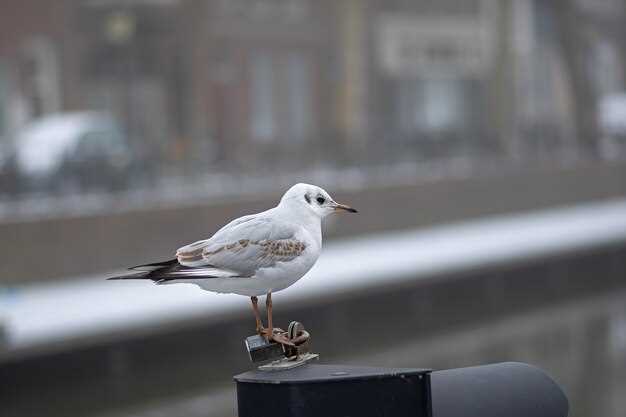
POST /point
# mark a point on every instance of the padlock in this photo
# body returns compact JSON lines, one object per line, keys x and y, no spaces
{"x":261,"y":350}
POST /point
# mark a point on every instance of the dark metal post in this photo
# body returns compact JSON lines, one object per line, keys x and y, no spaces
{"x":510,"y":389}
{"x":334,"y":390}
{"x":505,"y":389}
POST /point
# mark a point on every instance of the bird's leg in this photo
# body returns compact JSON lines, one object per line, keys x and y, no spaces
{"x":270,"y":323}
{"x":257,"y":315}
{"x":279,"y":336}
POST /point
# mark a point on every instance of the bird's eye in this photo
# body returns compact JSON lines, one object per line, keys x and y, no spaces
{"x":321,"y":200}
{"x":307,"y":198}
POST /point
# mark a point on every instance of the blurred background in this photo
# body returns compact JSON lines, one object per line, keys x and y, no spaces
{"x":484,"y":138}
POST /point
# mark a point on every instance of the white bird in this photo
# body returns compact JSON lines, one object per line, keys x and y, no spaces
{"x":255,"y":254}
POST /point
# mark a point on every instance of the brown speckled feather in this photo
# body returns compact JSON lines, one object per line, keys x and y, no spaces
{"x":245,"y":246}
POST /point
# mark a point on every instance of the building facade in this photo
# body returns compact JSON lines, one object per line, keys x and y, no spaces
{"x":252,"y":84}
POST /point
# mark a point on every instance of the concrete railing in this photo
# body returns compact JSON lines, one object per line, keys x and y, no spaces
{"x":119,"y":235}
{"x":91,"y":309}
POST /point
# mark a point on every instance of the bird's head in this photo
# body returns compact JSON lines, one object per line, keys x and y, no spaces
{"x":313,"y":199}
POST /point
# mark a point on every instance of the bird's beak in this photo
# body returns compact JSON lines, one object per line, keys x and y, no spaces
{"x":338,"y":206}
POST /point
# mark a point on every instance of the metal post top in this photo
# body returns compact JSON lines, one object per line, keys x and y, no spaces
{"x":312,"y":373}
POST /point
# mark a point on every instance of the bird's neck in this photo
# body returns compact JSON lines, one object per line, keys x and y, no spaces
{"x":312,"y":223}
{"x":314,"y":227}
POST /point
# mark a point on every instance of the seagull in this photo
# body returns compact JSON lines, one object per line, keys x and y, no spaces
{"x":254,"y":255}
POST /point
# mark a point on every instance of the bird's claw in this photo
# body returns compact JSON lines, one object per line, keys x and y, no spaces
{"x":266,"y":334}
{"x":281,"y":337}
{"x":277,"y":335}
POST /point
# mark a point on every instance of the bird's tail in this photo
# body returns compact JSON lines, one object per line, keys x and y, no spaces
{"x":161,"y":272}
{"x":149,"y":271}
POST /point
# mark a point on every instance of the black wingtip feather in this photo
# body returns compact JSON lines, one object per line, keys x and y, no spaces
{"x":136,"y":275}
{"x":161,"y":272}
{"x":154,"y":266}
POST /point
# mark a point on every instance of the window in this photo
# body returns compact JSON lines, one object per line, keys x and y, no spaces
{"x":299,"y":96}
{"x":443,"y":104}
{"x":4,"y":96}
{"x":430,"y":105}
{"x":280,"y":96}
{"x":262,"y":116}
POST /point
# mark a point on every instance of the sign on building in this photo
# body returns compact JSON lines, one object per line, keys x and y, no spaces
{"x":441,"y":46}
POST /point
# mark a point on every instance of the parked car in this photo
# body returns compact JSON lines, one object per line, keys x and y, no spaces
{"x":612,"y":125}
{"x":71,"y":151}
{"x":612,"y":115}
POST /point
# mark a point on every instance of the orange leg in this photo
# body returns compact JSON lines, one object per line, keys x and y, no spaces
{"x":257,"y":315}
{"x":270,"y":323}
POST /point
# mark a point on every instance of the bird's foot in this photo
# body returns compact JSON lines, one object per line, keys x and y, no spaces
{"x":262,"y":331}
{"x":280,"y":336}
{"x":277,"y":335}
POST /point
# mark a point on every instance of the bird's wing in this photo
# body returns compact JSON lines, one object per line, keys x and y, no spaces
{"x":192,"y":252}
{"x":245,"y":246}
